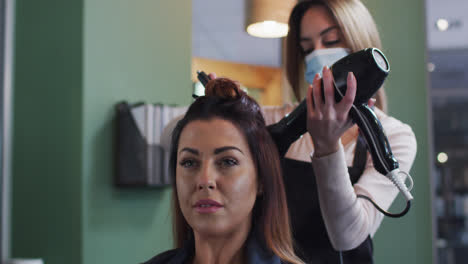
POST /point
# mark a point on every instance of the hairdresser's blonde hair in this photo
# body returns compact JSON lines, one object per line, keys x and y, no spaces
{"x":359,"y":32}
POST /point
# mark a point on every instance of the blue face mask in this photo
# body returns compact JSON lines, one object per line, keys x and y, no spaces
{"x":320,"y":58}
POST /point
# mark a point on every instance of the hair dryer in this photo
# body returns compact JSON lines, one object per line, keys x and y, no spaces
{"x":370,"y":68}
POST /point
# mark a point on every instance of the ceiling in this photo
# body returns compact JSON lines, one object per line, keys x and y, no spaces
{"x":448,"y":50}
{"x":455,"y":12}
{"x":218,"y":32}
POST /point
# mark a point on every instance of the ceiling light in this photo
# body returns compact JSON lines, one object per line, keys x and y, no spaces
{"x":268,"y":18}
{"x":442,"y":157}
{"x":442,"y":24}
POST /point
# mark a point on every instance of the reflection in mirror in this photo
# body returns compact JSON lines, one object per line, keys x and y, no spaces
{"x":447,"y":28}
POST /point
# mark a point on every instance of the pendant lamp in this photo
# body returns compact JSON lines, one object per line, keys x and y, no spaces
{"x":268,"y":18}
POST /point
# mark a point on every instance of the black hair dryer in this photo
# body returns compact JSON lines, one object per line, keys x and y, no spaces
{"x":370,"y":68}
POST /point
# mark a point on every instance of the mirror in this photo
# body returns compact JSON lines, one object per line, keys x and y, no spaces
{"x":447,"y":28}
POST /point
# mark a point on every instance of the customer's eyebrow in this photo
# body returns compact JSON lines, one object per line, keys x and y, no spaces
{"x":191,"y":150}
{"x":226,"y":148}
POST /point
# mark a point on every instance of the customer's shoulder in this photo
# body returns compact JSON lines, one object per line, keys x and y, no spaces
{"x":165,"y":257}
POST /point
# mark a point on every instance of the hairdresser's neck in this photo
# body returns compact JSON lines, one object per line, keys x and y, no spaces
{"x":226,"y":248}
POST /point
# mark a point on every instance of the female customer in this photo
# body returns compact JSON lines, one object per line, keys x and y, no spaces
{"x":229,"y":204}
{"x":324,"y":172}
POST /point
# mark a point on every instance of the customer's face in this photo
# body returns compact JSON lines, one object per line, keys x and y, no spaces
{"x":216,"y":178}
{"x":319,"y":30}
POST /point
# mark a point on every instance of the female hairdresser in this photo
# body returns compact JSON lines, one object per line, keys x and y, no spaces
{"x":229,"y":204}
{"x":324,"y":172}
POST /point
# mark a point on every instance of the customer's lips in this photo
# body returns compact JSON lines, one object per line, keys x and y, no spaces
{"x":207,"y":206}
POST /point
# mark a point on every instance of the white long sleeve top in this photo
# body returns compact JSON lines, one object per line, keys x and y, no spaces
{"x":350,"y":220}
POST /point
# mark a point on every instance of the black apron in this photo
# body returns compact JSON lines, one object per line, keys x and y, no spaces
{"x":311,"y":239}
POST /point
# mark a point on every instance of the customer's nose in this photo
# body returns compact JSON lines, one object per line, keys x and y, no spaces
{"x":206,"y":178}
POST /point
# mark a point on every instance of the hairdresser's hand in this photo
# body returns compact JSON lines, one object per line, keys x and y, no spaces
{"x":327,"y":120}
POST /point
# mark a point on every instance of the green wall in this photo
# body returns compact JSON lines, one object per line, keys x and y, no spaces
{"x":47,"y":152}
{"x":402,"y":28}
{"x":74,"y":60}
{"x":134,"y":51}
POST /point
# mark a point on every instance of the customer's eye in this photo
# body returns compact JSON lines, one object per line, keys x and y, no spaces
{"x":227,"y":162}
{"x":188,"y":163}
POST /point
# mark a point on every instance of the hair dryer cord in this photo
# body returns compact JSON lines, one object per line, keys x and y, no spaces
{"x":408,"y":205}
{"x":397,"y":180}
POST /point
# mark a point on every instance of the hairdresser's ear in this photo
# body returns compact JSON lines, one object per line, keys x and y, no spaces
{"x":371,"y":102}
